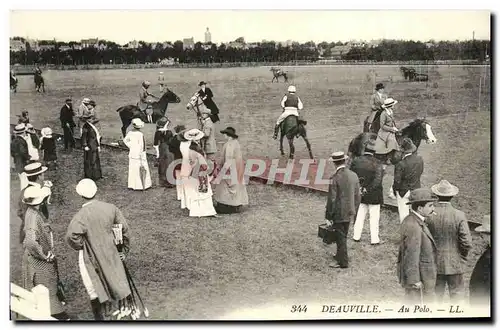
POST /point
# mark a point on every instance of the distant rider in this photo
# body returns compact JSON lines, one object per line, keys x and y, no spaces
{"x":144,"y":103}
{"x":291,"y":105}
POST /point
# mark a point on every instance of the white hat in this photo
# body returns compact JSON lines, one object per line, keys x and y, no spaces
{"x":485,"y":225}
{"x":19,"y":129}
{"x":147,"y":83}
{"x":46,"y":132}
{"x":29,"y":127}
{"x":388,"y":103}
{"x":137,"y":123}
{"x":86,"y":188}
{"x":193,"y":135}
{"x":85,"y":100}
{"x":34,"y":169}
{"x":292,"y":89}
{"x":34,"y":195}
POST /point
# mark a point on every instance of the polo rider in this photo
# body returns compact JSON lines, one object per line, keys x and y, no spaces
{"x":376,"y":103}
{"x":144,"y":103}
{"x":291,"y":105}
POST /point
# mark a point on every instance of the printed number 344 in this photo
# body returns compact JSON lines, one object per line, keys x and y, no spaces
{"x":299,"y":308}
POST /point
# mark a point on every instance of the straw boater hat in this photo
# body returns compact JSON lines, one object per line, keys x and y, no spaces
{"x":338,"y":156}
{"x":292,"y":89}
{"x":193,"y":134}
{"x":34,"y":169}
{"x":379,"y":86}
{"x":46,"y":132}
{"x":137,"y":123}
{"x":34,"y":195}
{"x":229,"y":131}
{"x":445,"y":189}
{"x":420,"y":195}
{"x":86,"y":100}
{"x":30,"y":128}
{"x":389,"y":103}
{"x":19,"y":129}
{"x":407,"y":146}
{"x":86,"y":188}
{"x":485,"y":227}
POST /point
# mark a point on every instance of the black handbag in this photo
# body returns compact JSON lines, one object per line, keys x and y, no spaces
{"x":61,"y":290}
{"x":327,"y":233}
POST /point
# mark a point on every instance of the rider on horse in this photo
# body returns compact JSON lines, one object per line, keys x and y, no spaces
{"x":291,"y":104}
{"x":376,"y":103}
{"x":386,"y":137}
{"x":144,"y":103}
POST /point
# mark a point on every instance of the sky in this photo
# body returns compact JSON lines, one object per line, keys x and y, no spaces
{"x":253,"y":25}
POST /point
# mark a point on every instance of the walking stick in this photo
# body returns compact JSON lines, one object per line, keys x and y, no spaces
{"x":146,"y":311}
{"x":421,"y":296}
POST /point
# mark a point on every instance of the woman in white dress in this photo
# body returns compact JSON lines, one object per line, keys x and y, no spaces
{"x":138,"y":162}
{"x":194,"y":173}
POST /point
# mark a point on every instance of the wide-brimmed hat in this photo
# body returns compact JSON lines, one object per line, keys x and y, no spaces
{"x":390,"y":102}
{"x":420,"y":195}
{"x":292,"y":89}
{"x":85,"y":100}
{"x":407,"y":146}
{"x":445,"y":189}
{"x":19,"y":129}
{"x":34,"y":195}
{"x":46,"y":132}
{"x":29,"y":127}
{"x":379,"y":86}
{"x":137,"y":123}
{"x":485,"y":227}
{"x":86,"y":188}
{"x":370,"y":145}
{"x":202,"y":83}
{"x":193,"y":134}
{"x":34,"y":169}
{"x":338,"y":156}
{"x":229,"y":131}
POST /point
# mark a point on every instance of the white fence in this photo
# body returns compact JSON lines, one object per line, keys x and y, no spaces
{"x":34,"y":304}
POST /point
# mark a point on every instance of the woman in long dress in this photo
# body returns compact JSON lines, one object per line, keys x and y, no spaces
{"x":139,"y":177}
{"x":231,"y":191}
{"x":196,"y":181}
{"x":163,"y":155}
{"x":386,"y":137}
{"x":174,"y":147}
{"x":91,"y":143}
{"x":39,"y":264}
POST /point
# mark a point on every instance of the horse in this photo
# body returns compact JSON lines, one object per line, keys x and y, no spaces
{"x":13,"y":82}
{"x":414,"y":76}
{"x":194,"y":104}
{"x":375,"y":124}
{"x":293,"y":127}
{"x":278,"y":73}
{"x":407,"y":72}
{"x":417,"y":130}
{"x":129,"y":112}
{"x":39,"y":82}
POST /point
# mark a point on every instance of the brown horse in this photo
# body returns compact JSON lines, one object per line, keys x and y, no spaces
{"x":278,"y":73}
{"x":293,"y":127}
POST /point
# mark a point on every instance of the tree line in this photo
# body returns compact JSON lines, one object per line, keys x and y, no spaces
{"x":388,"y":50}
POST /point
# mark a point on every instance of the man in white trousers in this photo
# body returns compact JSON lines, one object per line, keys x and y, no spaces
{"x":291,"y":104}
{"x":407,"y":174}
{"x":370,"y":174}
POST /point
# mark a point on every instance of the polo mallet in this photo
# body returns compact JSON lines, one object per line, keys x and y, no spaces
{"x":146,"y":311}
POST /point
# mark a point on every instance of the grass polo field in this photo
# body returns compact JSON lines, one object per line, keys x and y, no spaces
{"x":188,"y":268}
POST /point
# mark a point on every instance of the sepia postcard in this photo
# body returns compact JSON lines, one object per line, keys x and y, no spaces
{"x":250,"y":165}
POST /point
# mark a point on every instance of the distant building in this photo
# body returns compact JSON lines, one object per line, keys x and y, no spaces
{"x":208,"y":36}
{"x":188,"y":43}
{"x":64,"y":48}
{"x":134,"y":44}
{"x":88,"y":43}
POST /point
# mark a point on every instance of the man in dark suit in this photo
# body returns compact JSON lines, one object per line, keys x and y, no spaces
{"x":206,"y":95}
{"x":19,"y":151}
{"x":407,"y":175}
{"x":480,"y":279}
{"x":68,"y":124}
{"x":417,"y":250}
{"x":343,"y":201}
{"x":370,"y":174}
{"x":450,"y":230}
{"x":91,"y":144}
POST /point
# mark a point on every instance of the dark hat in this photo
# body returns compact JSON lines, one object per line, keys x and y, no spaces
{"x":407,"y":146}
{"x":338,"y":156}
{"x":420,"y":195}
{"x":202,"y":83}
{"x":92,"y":103}
{"x":162,"y":122}
{"x":370,"y":145}
{"x":379,"y":86}
{"x":68,"y":100}
{"x":179,"y":128}
{"x":229,"y":131}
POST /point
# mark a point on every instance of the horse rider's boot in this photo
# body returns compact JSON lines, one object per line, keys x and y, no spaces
{"x":276,"y":131}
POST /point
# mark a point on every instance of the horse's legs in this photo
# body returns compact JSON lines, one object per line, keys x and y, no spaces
{"x":281,"y":144}
{"x":292,"y":147}
{"x":124,"y":130}
{"x":43,"y":87}
{"x":308,"y":146}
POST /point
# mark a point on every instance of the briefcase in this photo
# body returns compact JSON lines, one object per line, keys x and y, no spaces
{"x":327,"y":234}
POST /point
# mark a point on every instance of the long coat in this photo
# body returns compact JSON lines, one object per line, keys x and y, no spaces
{"x":370,"y":173}
{"x":450,"y":231}
{"x":417,"y":254}
{"x":19,"y":151}
{"x":36,"y":270}
{"x":344,"y":196}
{"x":386,"y":138}
{"x":232,"y":189}
{"x":91,"y":159}
{"x":376,"y":102}
{"x":207,"y":96}
{"x":407,"y":174}
{"x":161,"y":140}
{"x":91,"y":230}
{"x":480,"y":281}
